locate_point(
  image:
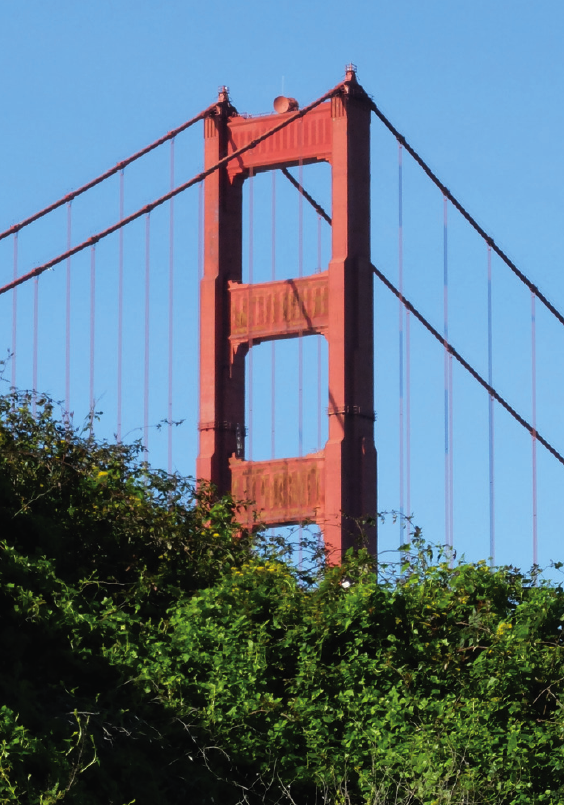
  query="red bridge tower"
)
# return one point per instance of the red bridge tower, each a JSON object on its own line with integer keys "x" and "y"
{"x": 336, "y": 487}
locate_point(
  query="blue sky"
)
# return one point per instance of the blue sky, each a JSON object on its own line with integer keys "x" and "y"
{"x": 475, "y": 87}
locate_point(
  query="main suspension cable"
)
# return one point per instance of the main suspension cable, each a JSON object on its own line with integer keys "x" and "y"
{"x": 171, "y": 194}
{"x": 111, "y": 172}
{"x": 465, "y": 214}
{"x": 455, "y": 354}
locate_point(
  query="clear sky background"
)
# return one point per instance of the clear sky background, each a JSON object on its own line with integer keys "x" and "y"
{"x": 477, "y": 89}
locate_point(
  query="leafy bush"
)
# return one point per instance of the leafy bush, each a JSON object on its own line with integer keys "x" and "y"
{"x": 94, "y": 550}
{"x": 152, "y": 651}
{"x": 442, "y": 684}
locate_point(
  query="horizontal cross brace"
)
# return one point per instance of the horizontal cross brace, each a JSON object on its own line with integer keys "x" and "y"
{"x": 283, "y": 309}
{"x": 284, "y": 491}
{"x": 305, "y": 140}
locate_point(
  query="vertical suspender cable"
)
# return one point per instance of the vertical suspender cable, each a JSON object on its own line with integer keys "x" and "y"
{"x": 319, "y": 385}
{"x": 200, "y": 260}
{"x": 405, "y": 427}
{"x": 92, "y": 327}
{"x": 448, "y": 535}
{"x": 491, "y": 412}
{"x": 404, "y": 375}
{"x": 300, "y": 338}
{"x": 408, "y": 419}
{"x": 249, "y": 314}
{"x": 120, "y": 310}
{"x": 68, "y": 313}
{"x": 147, "y": 311}
{"x": 35, "y": 339}
{"x": 319, "y": 408}
{"x": 170, "y": 307}
{"x": 15, "y": 312}
{"x": 273, "y": 342}
{"x": 401, "y": 318}
{"x": 450, "y": 452}
{"x": 534, "y": 422}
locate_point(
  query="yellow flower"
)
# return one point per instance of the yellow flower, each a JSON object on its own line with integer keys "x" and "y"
{"x": 503, "y": 627}
{"x": 102, "y": 472}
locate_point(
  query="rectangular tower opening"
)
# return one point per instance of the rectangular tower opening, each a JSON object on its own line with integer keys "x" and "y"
{"x": 283, "y": 235}
{"x": 286, "y": 409}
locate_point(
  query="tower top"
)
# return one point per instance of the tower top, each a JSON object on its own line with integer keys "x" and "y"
{"x": 223, "y": 94}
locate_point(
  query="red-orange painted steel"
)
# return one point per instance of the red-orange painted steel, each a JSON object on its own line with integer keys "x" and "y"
{"x": 336, "y": 488}
{"x": 285, "y": 490}
{"x": 282, "y": 309}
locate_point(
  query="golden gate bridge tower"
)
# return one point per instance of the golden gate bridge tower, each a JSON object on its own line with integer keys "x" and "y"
{"x": 336, "y": 486}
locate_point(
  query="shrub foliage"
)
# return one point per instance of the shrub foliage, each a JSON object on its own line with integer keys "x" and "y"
{"x": 153, "y": 652}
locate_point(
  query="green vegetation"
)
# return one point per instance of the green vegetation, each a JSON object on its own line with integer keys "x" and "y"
{"x": 152, "y": 653}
